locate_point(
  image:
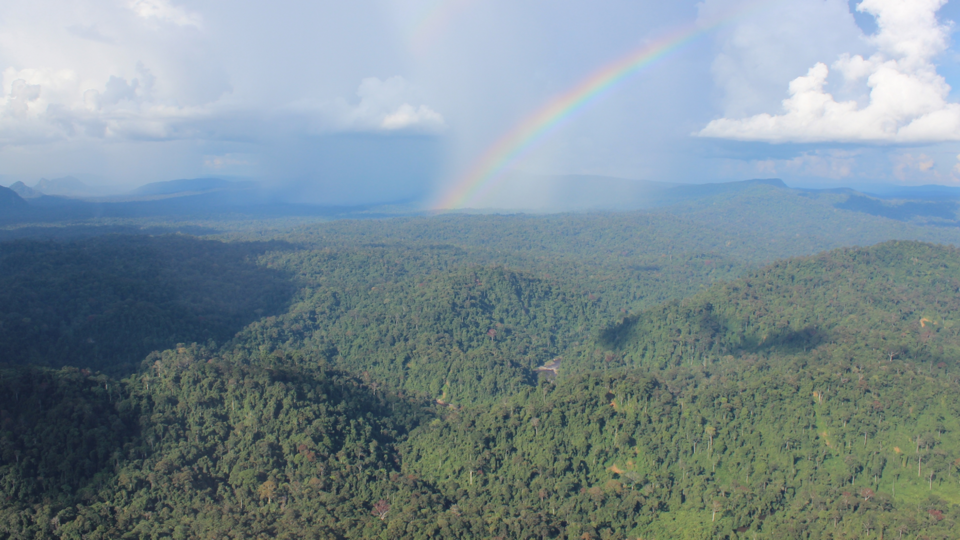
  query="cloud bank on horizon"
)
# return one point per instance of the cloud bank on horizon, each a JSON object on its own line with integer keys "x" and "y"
{"x": 907, "y": 100}
{"x": 45, "y": 104}
{"x": 104, "y": 92}
{"x": 135, "y": 91}
{"x": 400, "y": 97}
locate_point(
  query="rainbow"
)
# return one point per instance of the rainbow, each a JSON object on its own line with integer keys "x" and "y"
{"x": 486, "y": 171}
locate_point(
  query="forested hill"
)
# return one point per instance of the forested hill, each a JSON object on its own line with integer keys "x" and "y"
{"x": 892, "y": 300}
{"x": 11, "y": 203}
{"x": 105, "y": 303}
{"x": 465, "y": 336}
{"x": 376, "y": 380}
{"x": 816, "y": 398}
{"x": 462, "y": 308}
{"x": 410, "y": 301}
{"x": 194, "y": 447}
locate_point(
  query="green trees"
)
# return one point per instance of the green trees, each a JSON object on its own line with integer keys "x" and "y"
{"x": 773, "y": 446}
{"x": 368, "y": 381}
{"x": 462, "y": 337}
{"x": 196, "y": 446}
{"x": 105, "y": 303}
{"x": 881, "y": 303}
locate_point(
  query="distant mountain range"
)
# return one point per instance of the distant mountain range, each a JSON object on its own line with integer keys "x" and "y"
{"x": 559, "y": 193}
{"x": 191, "y": 185}
{"x": 212, "y": 198}
{"x": 928, "y": 192}
{"x": 71, "y": 187}
{"x": 551, "y": 193}
{"x": 25, "y": 191}
{"x": 67, "y": 185}
{"x": 200, "y": 198}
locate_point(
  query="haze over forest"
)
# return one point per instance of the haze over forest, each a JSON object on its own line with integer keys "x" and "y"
{"x": 439, "y": 269}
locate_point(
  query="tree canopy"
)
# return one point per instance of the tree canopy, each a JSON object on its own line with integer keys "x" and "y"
{"x": 378, "y": 380}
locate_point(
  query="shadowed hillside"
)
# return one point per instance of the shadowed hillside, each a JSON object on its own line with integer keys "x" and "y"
{"x": 105, "y": 303}
{"x": 893, "y": 300}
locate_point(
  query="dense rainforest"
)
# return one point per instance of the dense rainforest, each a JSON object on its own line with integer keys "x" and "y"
{"x": 721, "y": 374}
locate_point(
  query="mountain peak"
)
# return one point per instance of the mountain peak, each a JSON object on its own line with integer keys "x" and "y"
{"x": 67, "y": 185}
{"x": 25, "y": 191}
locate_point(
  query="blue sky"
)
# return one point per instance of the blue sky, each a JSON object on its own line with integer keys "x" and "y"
{"x": 386, "y": 99}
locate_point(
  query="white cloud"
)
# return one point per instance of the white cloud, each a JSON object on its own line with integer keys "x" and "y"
{"x": 218, "y": 85}
{"x": 384, "y": 106}
{"x": 20, "y": 98}
{"x": 165, "y": 11}
{"x": 907, "y": 101}
{"x": 914, "y": 168}
{"x": 82, "y": 78}
{"x": 50, "y": 105}
{"x": 760, "y": 53}
{"x": 75, "y": 72}
{"x": 833, "y": 164}
{"x": 42, "y": 106}
{"x": 407, "y": 117}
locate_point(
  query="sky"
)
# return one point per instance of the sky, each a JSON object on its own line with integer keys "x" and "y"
{"x": 442, "y": 100}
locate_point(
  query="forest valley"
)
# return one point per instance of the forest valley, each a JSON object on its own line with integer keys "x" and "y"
{"x": 730, "y": 376}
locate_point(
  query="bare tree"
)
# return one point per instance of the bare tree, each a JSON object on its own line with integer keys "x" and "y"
{"x": 381, "y": 509}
